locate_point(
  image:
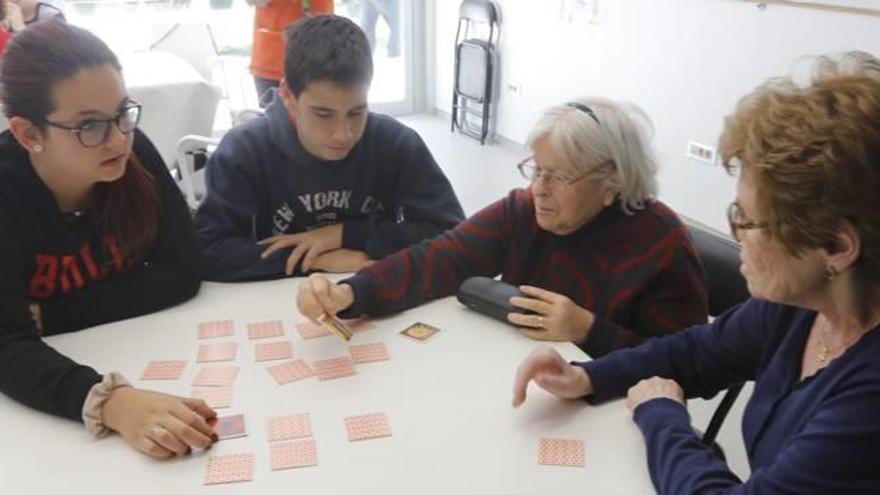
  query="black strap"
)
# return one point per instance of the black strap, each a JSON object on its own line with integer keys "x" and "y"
{"x": 583, "y": 108}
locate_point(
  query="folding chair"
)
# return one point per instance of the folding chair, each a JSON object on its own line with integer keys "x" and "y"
{"x": 475, "y": 68}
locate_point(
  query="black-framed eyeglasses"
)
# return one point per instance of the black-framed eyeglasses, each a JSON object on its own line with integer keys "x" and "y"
{"x": 738, "y": 221}
{"x": 532, "y": 172}
{"x": 95, "y": 132}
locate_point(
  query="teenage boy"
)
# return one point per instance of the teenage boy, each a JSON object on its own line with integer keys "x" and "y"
{"x": 319, "y": 182}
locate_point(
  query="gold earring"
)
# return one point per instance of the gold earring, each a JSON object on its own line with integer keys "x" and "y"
{"x": 831, "y": 273}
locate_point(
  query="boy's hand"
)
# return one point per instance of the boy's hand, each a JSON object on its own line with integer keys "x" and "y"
{"x": 307, "y": 246}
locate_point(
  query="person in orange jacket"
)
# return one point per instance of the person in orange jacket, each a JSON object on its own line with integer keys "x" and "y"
{"x": 270, "y": 19}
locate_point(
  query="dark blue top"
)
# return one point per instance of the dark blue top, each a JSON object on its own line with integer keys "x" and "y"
{"x": 817, "y": 435}
{"x": 387, "y": 193}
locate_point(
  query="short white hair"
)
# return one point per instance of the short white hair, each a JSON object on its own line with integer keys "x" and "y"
{"x": 608, "y": 138}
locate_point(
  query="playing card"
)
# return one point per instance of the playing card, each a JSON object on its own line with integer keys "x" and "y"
{"x": 229, "y": 427}
{"x": 229, "y": 468}
{"x": 273, "y": 351}
{"x": 335, "y": 326}
{"x": 358, "y": 326}
{"x": 369, "y": 353}
{"x": 561, "y": 452}
{"x": 420, "y": 332}
{"x": 288, "y": 455}
{"x": 216, "y": 376}
{"x": 215, "y": 397}
{"x": 328, "y": 369}
{"x": 289, "y": 427}
{"x": 290, "y": 371}
{"x": 367, "y": 426}
{"x": 265, "y": 329}
{"x": 224, "y": 351}
{"x": 213, "y": 329}
{"x": 163, "y": 370}
{"x": 309, "y": 330}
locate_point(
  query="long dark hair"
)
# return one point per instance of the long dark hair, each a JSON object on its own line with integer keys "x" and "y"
{"x": 35, "y": 61}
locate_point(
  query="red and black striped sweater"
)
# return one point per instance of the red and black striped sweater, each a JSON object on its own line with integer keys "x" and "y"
{"x": 639, "y": 273}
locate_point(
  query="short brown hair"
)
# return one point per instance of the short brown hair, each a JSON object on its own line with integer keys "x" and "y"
{"x": 813, "y": 152}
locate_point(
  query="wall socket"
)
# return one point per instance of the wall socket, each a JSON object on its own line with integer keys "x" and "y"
{"x": 700, "y": 152}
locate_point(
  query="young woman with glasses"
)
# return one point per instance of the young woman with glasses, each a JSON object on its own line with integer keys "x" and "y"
{"x": 602, "y": 262}
{"x": 92, "y": 229}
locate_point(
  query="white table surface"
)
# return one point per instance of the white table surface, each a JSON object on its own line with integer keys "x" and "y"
{"x": 447, "y": 400}
{"x": 176, "y": 99}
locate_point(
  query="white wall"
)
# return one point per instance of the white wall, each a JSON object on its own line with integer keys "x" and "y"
{"x": 686, "y": 62}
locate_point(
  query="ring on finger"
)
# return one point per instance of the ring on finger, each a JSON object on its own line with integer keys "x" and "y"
{"x": 156, "y": 430}
{"x": 541, "y": 321}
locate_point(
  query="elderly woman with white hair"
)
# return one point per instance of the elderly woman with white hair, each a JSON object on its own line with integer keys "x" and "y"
{"x": 602, "y": 262}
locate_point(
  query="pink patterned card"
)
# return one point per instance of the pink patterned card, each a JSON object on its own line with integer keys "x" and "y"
{"x": 289, "y": 455}
{"x": 309, "y": 330}
{"x": 561, "y": 452}
{"x": 163, "y": 370}
{"x": 290, "y": 371}
{"x": 224, "y": 351}
{"x": 369, "y": 353}
{"x": 229, "y": 468}
{"x": 214, "y": 329}
{"x": 359, "y": 326}
{"x": 216, "y": 398}
{"x": 367, "y": 426}
{"x": 328, "y": 369}
{"x": 216, "y": 376}
{"x": 265, "y": 329}
{"x": 289, "y": 427}
{"x": 273, "y": 351}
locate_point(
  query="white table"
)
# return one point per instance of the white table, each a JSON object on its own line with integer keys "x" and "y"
{"x": 176, "y": 99}
{"x": 447, "y": 400}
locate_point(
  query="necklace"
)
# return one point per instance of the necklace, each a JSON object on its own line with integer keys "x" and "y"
{"x": 824, "y": 354}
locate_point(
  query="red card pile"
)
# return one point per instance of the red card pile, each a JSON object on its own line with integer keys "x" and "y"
{"x": 309, "y": 330}
{"x": 215, "y": 397}
{"x": 265, "y": 329}
{"x": 273, "y": 351}
{"x": 216, "y": 376}
{"x": 229, "y": 468}
{"x": 367, "y": 426}
{"x": 369, "y": 353}
{"x": 217, "y": 352}
{"x": 213, "y": 329}
{"x": 328, "y": 369}
{"x": 290, "y": 371}
{"x": 288, "y": 455}
{"x": 163, "y": 370}
{"x": 561, "y": 452}
{"x": 289, "y": 427}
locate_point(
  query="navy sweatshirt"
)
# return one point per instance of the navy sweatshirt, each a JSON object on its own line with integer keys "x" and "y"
{"x": 819, "y": 435}
{"x": 387, "y": 193}
{"x": 78, "y": 276}
{"x": 638, "y": 273}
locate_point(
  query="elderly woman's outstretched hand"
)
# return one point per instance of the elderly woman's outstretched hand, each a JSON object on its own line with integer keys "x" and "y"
{"x": 552, "y": 373}
{"x": 556, "y": 317}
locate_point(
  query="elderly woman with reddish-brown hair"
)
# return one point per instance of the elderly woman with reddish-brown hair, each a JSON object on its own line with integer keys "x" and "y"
{"x": 806, "y": 214}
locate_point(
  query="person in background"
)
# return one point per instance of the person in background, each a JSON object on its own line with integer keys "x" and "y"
{"x": 806, "y": 214}
{"x": 319, "y": 182}
{"x": 271, "y": 17}
{"x": 93, "y": 229}
{"x": 601, "y": 261}
{"x": 390, "y": 11}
